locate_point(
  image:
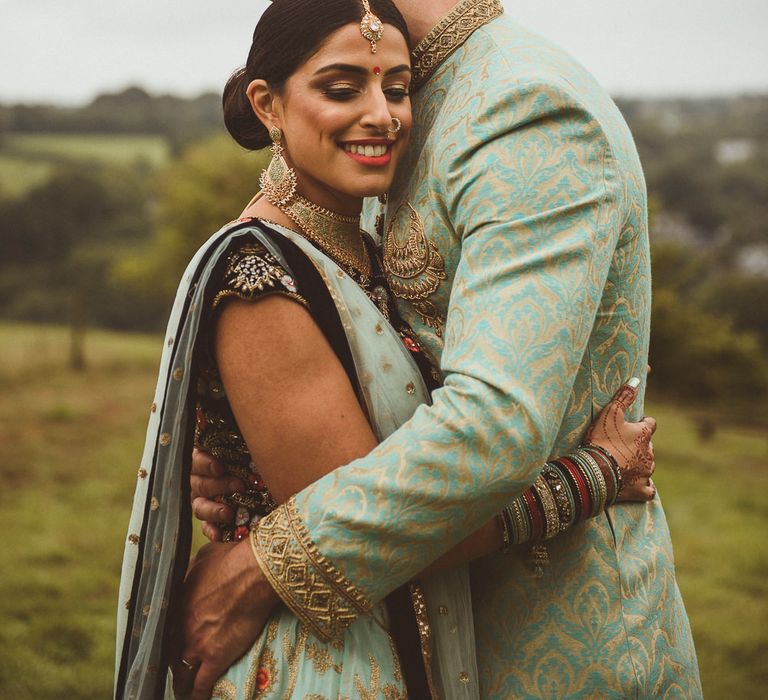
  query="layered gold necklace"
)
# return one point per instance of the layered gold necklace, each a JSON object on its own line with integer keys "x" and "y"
{"x": 337, "y": 235}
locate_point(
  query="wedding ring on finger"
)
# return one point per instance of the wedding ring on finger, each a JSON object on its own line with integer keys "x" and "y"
{"x": 184, "y": 673}
{"x": 189, "y": 665}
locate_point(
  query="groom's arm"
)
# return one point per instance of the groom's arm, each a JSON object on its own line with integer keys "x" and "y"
{"x": 535, "y": 198}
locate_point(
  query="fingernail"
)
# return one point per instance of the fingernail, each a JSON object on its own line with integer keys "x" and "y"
{"x": 633, "y": 383}
{"x": 234, "y": 485}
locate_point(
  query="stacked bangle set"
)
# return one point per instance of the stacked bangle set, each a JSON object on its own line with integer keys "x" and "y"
{"x": 568, "y": 490}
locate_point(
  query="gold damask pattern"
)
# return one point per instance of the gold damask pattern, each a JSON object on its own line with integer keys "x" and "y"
{"x": 415, "y": 268}
{"x": 307, "y": 582}
{"x": 447, "y": 36}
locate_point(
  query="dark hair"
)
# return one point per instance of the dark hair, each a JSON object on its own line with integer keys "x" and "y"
{"x": 288, "y": 33}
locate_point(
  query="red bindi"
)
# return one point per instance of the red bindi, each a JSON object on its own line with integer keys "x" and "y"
{"x": 376, "y": 70}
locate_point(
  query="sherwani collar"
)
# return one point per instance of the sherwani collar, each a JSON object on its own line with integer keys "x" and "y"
{"x": 449, "y": 34}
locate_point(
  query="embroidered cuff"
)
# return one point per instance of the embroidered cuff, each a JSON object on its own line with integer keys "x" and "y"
{"x": 310, "y": 585}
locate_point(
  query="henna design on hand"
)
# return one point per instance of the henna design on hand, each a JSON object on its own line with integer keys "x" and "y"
{"x": 640, "y": 463}
{"x": 633, "y": 452}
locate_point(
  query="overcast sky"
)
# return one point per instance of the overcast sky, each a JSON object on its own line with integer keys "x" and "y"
{"x": 67, "y": 51}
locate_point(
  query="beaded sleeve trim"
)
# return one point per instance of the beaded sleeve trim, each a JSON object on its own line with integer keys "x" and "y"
{"x": 449, "y": 34}
{"x": 313, "y": 588}
{"x": 252, "y": 272}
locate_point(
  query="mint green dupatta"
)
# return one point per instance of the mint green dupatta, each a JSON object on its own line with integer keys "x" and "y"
{"x": 157, "y": 546}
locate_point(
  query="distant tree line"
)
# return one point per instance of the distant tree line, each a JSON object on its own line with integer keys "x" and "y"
{"x": 131, "y": 111}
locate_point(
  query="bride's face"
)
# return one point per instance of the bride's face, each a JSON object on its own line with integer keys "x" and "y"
{"x": 335, "y": 111}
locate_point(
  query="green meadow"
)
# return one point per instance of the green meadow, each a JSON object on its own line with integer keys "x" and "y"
{"x": 27, "y": 160}
{"x": 70, "y": 448}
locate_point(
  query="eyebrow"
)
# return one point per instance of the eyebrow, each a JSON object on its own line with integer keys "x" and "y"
{"x": 359, "y": 70}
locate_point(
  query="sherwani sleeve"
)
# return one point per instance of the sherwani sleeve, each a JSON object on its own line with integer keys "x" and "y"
{"x": 531, "y": 190}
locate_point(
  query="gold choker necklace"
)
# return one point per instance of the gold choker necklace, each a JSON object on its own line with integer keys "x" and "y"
{"x": 338, "y": 236}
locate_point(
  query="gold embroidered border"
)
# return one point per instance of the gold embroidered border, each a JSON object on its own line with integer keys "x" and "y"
{"x": 308, "y": 583}
{"x": 419, "y": 604}
{"x": 228, "y": 293}
{"x": 449, "y": 34}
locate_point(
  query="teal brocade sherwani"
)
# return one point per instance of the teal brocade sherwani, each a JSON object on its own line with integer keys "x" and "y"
{"x": 516, "y": 242}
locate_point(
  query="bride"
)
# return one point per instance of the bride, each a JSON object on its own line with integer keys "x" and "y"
{"x": 285, "y": 350}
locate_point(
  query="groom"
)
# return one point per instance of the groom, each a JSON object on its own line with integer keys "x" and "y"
{"x": 516, "y": 242}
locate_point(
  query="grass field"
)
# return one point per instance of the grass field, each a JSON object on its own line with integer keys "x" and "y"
{"x": 70, "y": 444}
{"x": 113, "y": 148}
{"x": 27, "y": 160}
{"x": 19, "y": 174}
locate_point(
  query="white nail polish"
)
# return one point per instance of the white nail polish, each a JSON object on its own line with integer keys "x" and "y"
{"x": 633, "y": 383}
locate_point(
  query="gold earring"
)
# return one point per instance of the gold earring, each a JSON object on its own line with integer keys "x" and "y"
{"x": 278, "y": 181}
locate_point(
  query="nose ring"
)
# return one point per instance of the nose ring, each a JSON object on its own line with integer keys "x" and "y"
{"x": 396, "y": 126}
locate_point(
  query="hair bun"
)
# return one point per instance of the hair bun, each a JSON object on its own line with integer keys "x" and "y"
{"x": 241, "y": 122}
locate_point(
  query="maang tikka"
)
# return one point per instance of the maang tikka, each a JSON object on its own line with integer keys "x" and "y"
{"x": 278, "y": 181}
{"x": 371, "y": 27}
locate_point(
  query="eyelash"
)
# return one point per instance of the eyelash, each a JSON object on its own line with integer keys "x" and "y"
{"x": 397, "y": 94}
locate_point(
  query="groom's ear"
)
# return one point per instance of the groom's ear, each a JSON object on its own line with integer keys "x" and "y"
{"x": 264, "y": 102}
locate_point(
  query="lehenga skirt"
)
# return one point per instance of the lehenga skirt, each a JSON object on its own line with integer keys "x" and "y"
{"x": 287, "y": 661}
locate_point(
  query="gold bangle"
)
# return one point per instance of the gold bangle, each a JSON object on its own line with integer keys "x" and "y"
{"x": 618, "y": 474}
{"x": 520, "y": 522}
{"x": 552, "y": 521}
{"x": 599, "y": 480}
{"x": 559, "y": 490}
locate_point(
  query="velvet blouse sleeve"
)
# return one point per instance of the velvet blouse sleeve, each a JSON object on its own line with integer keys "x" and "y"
{"x": 250, "y": 272}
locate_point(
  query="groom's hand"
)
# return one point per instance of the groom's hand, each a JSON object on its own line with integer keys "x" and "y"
{"x": 210, "y": 479}
{"x": 227, "y": 601}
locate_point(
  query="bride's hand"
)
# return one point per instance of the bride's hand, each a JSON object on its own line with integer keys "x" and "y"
{"x": 629, "y": 443}
{"x": 227, "y": 601}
